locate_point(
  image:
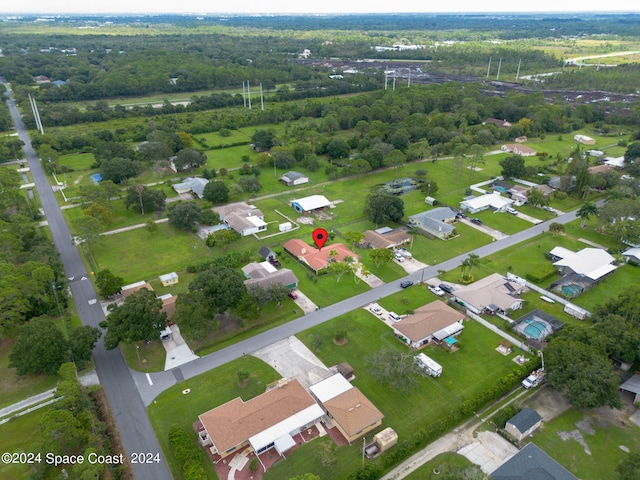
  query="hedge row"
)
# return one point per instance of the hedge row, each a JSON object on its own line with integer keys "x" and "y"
{"x": 187, "y": 454}
{"x": 230, "y": 260}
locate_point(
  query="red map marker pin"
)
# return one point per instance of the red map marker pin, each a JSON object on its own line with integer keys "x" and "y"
{"x": 320, "y": 236}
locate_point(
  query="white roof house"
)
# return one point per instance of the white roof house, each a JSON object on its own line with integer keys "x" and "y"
{"x": 593, "y": 263}
{"x": 309, "y": 204}
{"x": 244, "y": 219}
{"x": 330, "y": 387}
{"x": 191, "y": 184}
{"x": 294, "y": 178}
{"x": 614, "y": 161}
{"x": 491, "y": 200}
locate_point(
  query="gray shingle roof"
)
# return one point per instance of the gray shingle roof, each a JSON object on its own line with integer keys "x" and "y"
{"x": 525, "y": 419}
{"x": 531, "y": 463}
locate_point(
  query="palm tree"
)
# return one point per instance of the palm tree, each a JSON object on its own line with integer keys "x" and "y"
{"x": 333, "y": 254}
{"x": 463, "y": 267}
{"x": 474, "y": 261}
{"x": 585, "y": 211}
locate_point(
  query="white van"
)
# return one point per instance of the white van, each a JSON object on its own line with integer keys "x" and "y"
{"x": 511, "y": 210}
{"x": 394, "y": 316}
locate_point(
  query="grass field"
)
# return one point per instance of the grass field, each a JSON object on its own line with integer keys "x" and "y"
{"x": 21, "y": 435}
{"x": 173, "y": 408}
{"x": 446, "y": 465}
{"x": 604, "y": 439}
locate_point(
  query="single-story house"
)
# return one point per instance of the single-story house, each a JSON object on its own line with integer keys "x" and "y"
{"x": 632, "y": 254}
{"x": 353, "y": 414}
{"x": 436, "y": 222}
{"x": 169, "y": 279}
{"x": 316, "y": 259}
{"x": 191, "y": 184}
{"x": 494, "y": 293}
{"x": 519, "y": 149}
{"x": 310, "y": 204}
{"x": 385, "y": 237}
{"x": 497, "y": 123}
{"x": 617, "y": 162}
{"x": 523, "y": 423}
{"x": 584, "y": 139}
{"x": 266, "y": 253}
{"x": 294, "y": 178}
{"x": 243, "y": 218}
{"x": 134, "y": 287}
{"x": 490, "y": 200}
{"x": 267, "y": 421}
{"x": 40, "y": 79}
{"x": 632, "y": 386}
{"x": 433, "y": 321}
{"x": 600, "y": 169}
{"x": 265, "y": 274}
{"x": 518, "y": 193}
{"x": 168, "y": 305}
{"x": 521, "y": 139}
{"x": 594, "y": 263}
{"x": 531, "y": 463}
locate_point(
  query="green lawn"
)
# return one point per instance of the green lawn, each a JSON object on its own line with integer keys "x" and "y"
{"x": 446, "y": 465}
{"x": 21, "y": 434}
{"x": 405, "y": 413}
{"x": 13, "y": 387}
{"x": 604, "y": 443}
{"x": 152, "y": 356}
{"x": 207, "y": 391}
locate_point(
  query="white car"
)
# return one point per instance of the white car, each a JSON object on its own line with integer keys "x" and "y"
{"x": 375, "y": 309}
{"x": 436, "y": 290}
{"x": 399, "y": 257}
{"x": 548, "y": 208}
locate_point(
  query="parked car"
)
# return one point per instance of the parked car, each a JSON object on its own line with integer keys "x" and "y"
{"x": 399, "y": 257}
{"x": 394, "y": 316}
{"x": 406, "y": 284}
{"x": 446, "y": 288}
{"x": 436, "y": 290}
{"x": 511, "y": 210}
{"x": 293, "y": 294}
{"x": 476, "y": 221}
{"x": 460, "y": 215}
{"x": 548, "y": 209}
{"x": 375, "y": 309}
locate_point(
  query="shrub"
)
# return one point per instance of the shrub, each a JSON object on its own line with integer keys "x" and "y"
{"x": 187, "y": 454}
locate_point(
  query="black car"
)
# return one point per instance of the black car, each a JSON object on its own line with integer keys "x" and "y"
{"x": 477, "y": 221}
{"x": 406, "y": 284}
{"x": 446, "y": 288}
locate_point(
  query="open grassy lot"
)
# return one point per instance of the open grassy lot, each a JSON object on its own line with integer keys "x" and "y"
{"x": 409, "y": 412}
{"x": 503, "y": 221}
{"x": 152, "y": 355}
{"x": 604, "y": 435}
{"x": 445, "y": 464}
{"x": 14, "y": 388}
{"x": 209, "y": 390}
{"x": 21, "y": 435}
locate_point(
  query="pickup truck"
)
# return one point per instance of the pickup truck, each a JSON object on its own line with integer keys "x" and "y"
{"x": 533, "y": 380}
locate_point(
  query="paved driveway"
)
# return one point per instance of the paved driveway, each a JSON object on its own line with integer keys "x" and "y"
{"x": 292, "y": 359}
{"x": 304, "y": 302}
{"x": 489, "y": 451}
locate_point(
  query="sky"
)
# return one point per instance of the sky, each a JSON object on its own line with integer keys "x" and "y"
{"x": 319, "y": 6}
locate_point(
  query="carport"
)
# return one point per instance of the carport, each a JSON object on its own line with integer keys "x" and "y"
{"x": 632, "y": 386}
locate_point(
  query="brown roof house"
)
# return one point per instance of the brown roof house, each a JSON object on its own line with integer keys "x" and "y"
{"x": 265, "y": 275}
{"x": 519, "y": 149}
{"x": 134, "y": 287}
{"x": 316, "y": 259}
{"x": 434, "y": 321}
{"x": 385, "y": 237}
{"x": 493, "y": 293}
{"x": 267, "y": 421}
{"x": 353, "y": 414}
{"x": 497, "y": 122}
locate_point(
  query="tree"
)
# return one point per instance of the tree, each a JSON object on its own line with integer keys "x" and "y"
{"x": 192, "y": 315}
{"x": 216, "y": 192}
{"x": 474, "y": 261}
{"x": 144, "y": 199}
{"x": 40, "y": 348}
{"x": 585, "y": 211}
{"x": 536, "y": 198}
{"x": 353, "y": 237}
{"x": 100, "y": 213}
{"x": 381, "y": 256}
{"x": 582, "y": 372}
{"x": 184, "y": 215}
{"x": 222, "y": 288}
{"x": 629, "y": 467}
{"x": 82, "y": 342}
{"x": 396, "y": 369}
{"x": 632, "y": 153}
{"x": 513, "y": 167}
{"x": 108, "y": 284}
{"x": 340, "y": 269}
{"x": 139, "y": 318}
{"x": 189, "y": 158}
{"x": 263, "y": 139}
{"x": 337, "y": 148}
{"x": 249, "y": 184}
{"x": 223, "y": 238}
{"x": 382, "y": 207}
{"x": 118, "y": 170}
{"x": 556, "y": 227}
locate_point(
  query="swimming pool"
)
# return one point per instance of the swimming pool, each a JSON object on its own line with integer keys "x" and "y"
{"x": 535, "y": 329}
{"x": 571, "y": 290}
{"x": 96, "y": 177}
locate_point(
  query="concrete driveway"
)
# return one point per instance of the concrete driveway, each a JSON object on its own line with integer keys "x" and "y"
{"x": 292, "y": 359}
{"x": 489, "y": 451}
{"x": 411, "y": 265}
{"x": 497, "y": 234}
{"x": 304, "y": 302}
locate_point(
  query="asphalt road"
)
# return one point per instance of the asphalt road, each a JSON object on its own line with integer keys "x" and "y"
{"x": 163, "y": 380}
{"x": 127, "y": 407}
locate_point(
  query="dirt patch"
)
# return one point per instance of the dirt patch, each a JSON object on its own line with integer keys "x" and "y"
{"x": 577, "y": 436}
{"x": 606, "y": 416}
{"x": 585, "y": 425}
{"x": 340, "y": 341}
{"x": 549, "y": 403}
